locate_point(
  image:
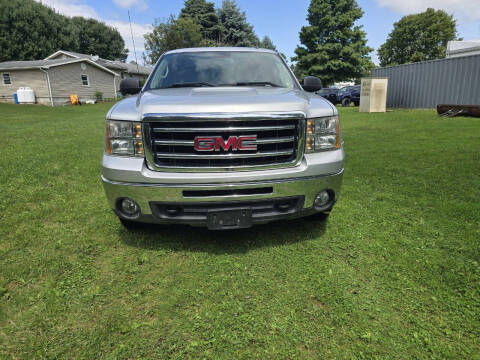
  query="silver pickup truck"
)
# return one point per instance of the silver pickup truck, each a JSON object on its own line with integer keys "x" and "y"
{"x": 223, "y": 138}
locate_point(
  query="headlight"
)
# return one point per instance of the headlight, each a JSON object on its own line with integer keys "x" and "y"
{"x": 123, "y": 138}
{"x": 323, "y": 134}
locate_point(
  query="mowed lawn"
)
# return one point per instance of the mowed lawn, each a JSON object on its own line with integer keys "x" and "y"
{"x": 393, "y": 274}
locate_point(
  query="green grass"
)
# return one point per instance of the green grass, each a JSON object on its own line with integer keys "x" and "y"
{"x": 393, "y": 274}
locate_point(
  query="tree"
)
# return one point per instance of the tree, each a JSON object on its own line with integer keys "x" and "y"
{"x": 32, "y": 31}
{"x": 418, "y": 37}
{"x": 332, "y": 47}
{"x": 96, "y": 38}
{"x": 235, "y": 30}
{"x": 171, "y": 34}
{"x": 203, "y": 13}
{"x": 199, "y": 25}
{"x": 295, "y": 71}
{"x": 267, "y": 43}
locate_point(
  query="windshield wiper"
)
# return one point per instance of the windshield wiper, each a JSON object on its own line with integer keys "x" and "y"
{"x": 257, "y": 83}
{"x": 189, "y": 84}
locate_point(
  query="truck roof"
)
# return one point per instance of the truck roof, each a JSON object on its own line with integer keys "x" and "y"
{"x": 230, "y": 49}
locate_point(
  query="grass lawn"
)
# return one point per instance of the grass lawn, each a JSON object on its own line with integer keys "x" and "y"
{"x": 393, "y": 274}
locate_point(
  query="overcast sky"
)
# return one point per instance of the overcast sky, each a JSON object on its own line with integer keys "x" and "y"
{"x": 281, "y": 20}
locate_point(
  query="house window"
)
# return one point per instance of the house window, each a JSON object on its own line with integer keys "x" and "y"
{"x": 85, "y": 80}
{"x": 6, "y": 79}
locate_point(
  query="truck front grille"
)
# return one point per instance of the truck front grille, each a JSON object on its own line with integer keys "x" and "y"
{"x": 171, "y": 142}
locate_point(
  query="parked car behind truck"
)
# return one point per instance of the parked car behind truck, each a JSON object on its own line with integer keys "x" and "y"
{"x": 331, "y": 94}
{"x": 348, "y": 95}
{"x": 224, "y": 138}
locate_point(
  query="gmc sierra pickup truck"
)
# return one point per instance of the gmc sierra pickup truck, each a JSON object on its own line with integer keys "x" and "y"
{"x": 224, "y": 138}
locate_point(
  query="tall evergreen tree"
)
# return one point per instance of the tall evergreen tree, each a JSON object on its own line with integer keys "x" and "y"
{"x": 333, "y": 48}
{"x": 267, "y": 43}
{"x": 236, "y": 31}
{"x": 203, "y": 13}
{"x": 171, "y": 34}
{"x": 196, "y": 26}
{"x": 418, "y": 37}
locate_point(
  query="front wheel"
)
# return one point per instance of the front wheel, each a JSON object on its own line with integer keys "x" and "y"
{"x": 346, "y": 102}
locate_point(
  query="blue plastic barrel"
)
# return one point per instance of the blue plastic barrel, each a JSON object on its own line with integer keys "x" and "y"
{"x": 15, "y": 98}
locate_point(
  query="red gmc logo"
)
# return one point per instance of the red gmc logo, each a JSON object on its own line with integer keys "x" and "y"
{"x": 234, "y": 143}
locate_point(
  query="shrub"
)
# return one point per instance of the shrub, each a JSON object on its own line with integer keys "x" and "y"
{"x": 99, "y": 96}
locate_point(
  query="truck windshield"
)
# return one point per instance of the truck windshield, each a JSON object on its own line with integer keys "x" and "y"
{"x": 221, "y": 68}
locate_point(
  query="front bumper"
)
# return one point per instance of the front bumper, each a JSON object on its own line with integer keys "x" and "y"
{"x": 201, "y": 192}
{"x": 150, "y": 196}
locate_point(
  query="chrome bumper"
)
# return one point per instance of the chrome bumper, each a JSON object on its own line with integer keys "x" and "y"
{"x": 148, "y": 194}
{"x": 131, "y": 178}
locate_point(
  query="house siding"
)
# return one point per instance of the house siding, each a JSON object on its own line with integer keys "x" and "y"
{"x": 66, "y": 80}
{"x": 141, "y": 78}
{"x": 125, "y": 75}
{"x": 118, "y": 79}
{"x": 35, "y": 79}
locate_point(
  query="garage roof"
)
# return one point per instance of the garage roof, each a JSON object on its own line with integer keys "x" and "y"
{"x": 46, "y": 64}
{"x": 111, "y": 64}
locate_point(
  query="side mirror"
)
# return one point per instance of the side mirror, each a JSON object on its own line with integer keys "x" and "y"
{"x": 311, "y": 83}
{"x": 130, "y": 86}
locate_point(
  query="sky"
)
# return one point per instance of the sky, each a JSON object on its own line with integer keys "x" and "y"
{"x": 281, "y": 20}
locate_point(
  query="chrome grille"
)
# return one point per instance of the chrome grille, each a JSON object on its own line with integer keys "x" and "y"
{"x": 170, "y": 141}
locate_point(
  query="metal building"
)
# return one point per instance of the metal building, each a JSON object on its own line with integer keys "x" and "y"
{"x": 429, "y": 83}
{"x": 457, "y": 48}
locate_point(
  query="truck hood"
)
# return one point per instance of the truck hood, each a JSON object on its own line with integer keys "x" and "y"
{"x": 220, "y": 100}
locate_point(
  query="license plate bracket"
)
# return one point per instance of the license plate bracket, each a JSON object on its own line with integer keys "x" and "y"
{"x": 229, "y": 219}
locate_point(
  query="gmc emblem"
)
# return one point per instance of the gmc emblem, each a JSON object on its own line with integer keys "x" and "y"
{"x": 234, "y": 143}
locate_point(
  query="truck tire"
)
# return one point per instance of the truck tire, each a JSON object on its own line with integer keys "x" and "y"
{"x": 356, "y": 103}
{"x": 346, "y": 102}
{"x": 131, "y": 225}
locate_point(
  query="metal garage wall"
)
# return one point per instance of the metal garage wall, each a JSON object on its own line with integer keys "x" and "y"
{"x": 426, "y": 84}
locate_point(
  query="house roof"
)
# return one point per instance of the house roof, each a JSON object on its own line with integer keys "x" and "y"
{"x": 46, "y": 64}
{"x": 32, "y": 64}
{"x": 130, "y": 68}
{"x": 72, "y": 54}
{"x": 111, "y": 64}
{"x": 457, "y": 47}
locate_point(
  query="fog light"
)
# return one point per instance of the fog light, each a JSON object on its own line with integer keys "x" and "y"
{"x": 129, "y": 207}
{"x": 322, "y": 199}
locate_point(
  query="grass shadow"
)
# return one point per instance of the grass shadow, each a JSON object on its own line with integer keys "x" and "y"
{"x": 193, "y": 239}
